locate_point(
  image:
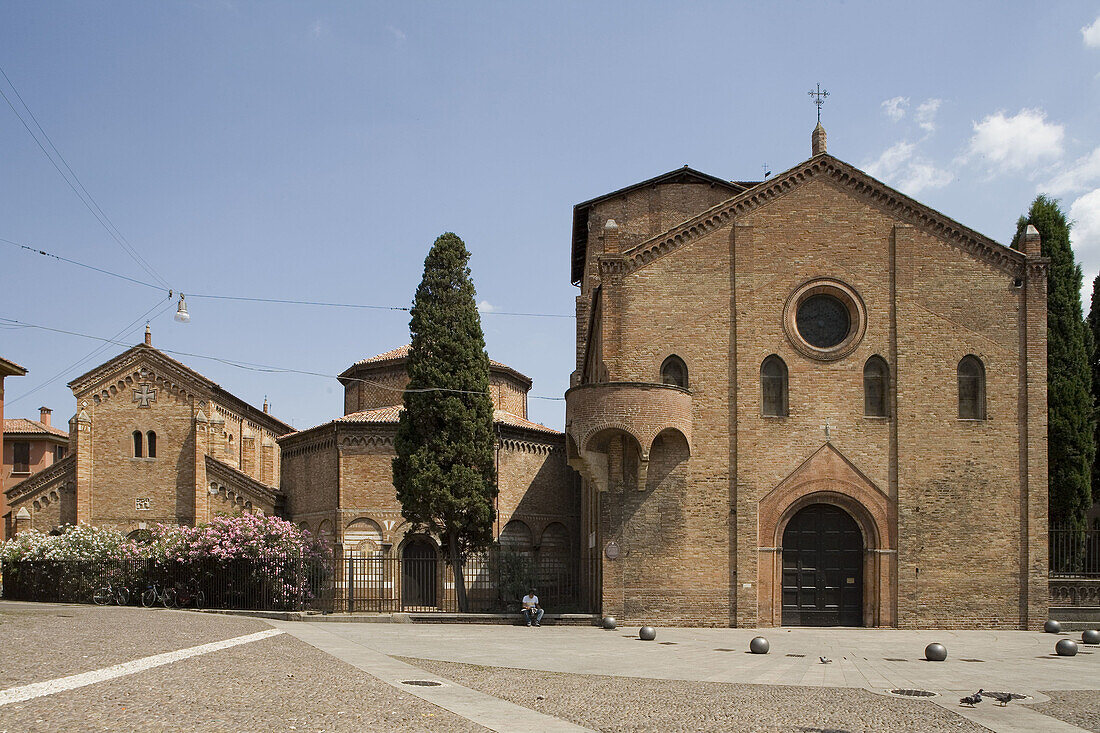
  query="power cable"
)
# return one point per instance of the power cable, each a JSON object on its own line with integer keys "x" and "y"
{"x": 250, "y": 366}
{"x": 163, "y": 304}
{"x": 44, "y": 253}
{"x": 94, "y": 207}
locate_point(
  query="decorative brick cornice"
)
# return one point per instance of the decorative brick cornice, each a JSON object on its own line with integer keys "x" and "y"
{"x": 47, "y": 479}
{"x": 222, "y": 475}
{"x": 366, "y": 441}
{"x": 848, "y": 178}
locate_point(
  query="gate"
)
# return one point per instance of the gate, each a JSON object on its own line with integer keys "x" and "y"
{"x": 419, "y": 577}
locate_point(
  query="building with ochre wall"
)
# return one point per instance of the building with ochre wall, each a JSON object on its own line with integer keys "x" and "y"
{"x": 810, "y": 400}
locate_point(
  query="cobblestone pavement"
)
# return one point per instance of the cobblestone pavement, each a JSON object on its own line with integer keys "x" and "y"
{"x": 635, "y": 704}
{"x": 278, "y": 684}
{"x": 1077, "y": 707}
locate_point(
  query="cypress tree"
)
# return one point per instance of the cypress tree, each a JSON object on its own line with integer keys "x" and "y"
{"x": 1071, "y": 427}
{"x": 1094, "y": 332}
{"x": 444, "y": 471}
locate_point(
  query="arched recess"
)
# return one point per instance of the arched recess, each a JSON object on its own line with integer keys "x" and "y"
{"x": 516, "y": 537}
{"x": 363, "y": 561}
{"x": 674, "y": 372}
{"x": 555, "y": 569}
{"x": 829, "y": 478}
{"x": 363, "y": 538}
{"x": 419, "y": 573}
{"x": 324, "y": 533}
{"x": 616, "y": 458}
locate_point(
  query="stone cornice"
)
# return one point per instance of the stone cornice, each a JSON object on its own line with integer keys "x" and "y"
{"x": 848, "y": 178}
{"x": 45, "y": 479}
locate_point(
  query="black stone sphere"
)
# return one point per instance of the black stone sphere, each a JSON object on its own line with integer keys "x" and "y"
{"x": 935, "y": 652}
{"x": 1066, "y": 648}
{"x": 609, "y": 623}
{"x": 1091, "y": 636}
{"x": 647, "y": 633}
{"x": 1052, "y": 627}
{"x": 759, "y": 645}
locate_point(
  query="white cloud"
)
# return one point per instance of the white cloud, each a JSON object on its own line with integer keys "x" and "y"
{"x": 1085, "y": 233}
{"x": 926, "y": 114}
{"x": 1015, "y": 143}
{"x": 895, "y": 107}
{"x": 1091, "y": 34}
{"x": 317, "y": 29}
{"x": 486, "y": 307}
{"x": 902, "y": 168}
{"x": 397, "y": 33}
{"x": 1083, "y": 173}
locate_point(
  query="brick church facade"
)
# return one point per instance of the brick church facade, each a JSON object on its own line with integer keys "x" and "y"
{"x": 808, "y": 400}
{"x": 804, "y": 401}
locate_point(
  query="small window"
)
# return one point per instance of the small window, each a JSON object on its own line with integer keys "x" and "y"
{"x": 971, "y": 388}
{"x": 137, "y": 444}
{"x": 151, "y": 444}
{"x": 773, "y": 387}
{"x": 876, "y": 380}
{"x": 21, "y": 460}
{"x": 59, "y": 452}
{"x": 674, "y": 372}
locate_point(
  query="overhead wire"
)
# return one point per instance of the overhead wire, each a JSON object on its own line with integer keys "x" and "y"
{"x": 163, "y": 304}
{"x": 250, "y": 366}
{"x": 93, "y": 207}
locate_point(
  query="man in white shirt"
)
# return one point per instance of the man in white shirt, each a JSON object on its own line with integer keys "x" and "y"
{"x": 531, "y": 609}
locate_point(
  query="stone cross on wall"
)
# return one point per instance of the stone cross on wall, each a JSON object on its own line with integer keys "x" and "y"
{"x": 145, "y": 395}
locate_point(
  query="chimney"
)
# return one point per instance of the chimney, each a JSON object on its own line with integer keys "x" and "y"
{"x": 611, "y": 237}
{"x": 148, "y": 336}
{"x": 817, "y": 140}
{"x": 44, "y": 415}
{"x": 265, "y": 405}
{"x": 1030, "y": 243}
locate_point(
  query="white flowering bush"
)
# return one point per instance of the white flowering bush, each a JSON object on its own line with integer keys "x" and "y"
{"x": 246, "y": 557}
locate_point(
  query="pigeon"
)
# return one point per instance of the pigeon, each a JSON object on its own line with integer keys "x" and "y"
{"x": 972, "y": 700}
{"x": 1004, "y": 697}
{"x": 824, "y": 660}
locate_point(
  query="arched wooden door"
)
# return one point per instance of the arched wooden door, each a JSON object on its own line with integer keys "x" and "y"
{"x": 822, "y": 568}
{"x": 419, "y": 568}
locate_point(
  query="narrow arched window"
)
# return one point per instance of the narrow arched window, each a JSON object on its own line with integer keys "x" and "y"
{"x": 876, "y": 383}
{"x": 675, "y": 372}
{"x": 773, "y": 387}
{"x": 137, "y": 444}
{"x": 971, "y": 388}
{"x": 151, "y": 443}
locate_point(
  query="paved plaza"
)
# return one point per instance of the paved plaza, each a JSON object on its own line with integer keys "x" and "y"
{"x": 87, "y": 668}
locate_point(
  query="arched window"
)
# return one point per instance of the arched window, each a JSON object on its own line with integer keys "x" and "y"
{"x": 971, "y": 388}
{"x": 773, "y": 387}
{"x": 151, "y": 443}
{"x": 876, "y": 382}
{"x": 137, "y": 444}
{"x": 674, "y": 372}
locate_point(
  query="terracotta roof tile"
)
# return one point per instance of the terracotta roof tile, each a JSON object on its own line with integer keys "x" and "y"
{"x": 23, "y": 426}
{"x": 10, "y": 368}
{"x": 390, "y": 415}
{"x": 403, "y": 351}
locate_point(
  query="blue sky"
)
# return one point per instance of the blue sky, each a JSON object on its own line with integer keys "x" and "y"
{"x": 314, "y": 152}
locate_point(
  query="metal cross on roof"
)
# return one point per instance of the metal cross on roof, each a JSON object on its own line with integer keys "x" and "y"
{"x": 819, "y": 99}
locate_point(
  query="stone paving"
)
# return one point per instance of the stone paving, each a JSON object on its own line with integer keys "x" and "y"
{"x": 337, "y": 677}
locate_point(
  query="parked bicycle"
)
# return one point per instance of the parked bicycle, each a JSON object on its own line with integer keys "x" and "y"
{"x": 190, "y": 594}
{"x": 111, "y": 593}
{"x": 155, "y": 593}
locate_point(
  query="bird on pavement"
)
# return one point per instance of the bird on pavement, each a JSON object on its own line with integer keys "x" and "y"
{"x": 824, "y": 660}
{"x": 1004, "y": 697}
{"x": 972, "y": 700}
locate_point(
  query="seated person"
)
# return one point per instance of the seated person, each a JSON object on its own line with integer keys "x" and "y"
{"x": 531, "y": 609}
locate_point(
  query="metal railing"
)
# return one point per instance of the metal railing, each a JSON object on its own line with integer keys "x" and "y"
{"x": 495, "y": 581}
{"x": 1074, "y": 553}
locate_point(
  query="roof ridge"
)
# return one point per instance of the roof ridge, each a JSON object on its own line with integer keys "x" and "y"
{"x": 904, "y": 207}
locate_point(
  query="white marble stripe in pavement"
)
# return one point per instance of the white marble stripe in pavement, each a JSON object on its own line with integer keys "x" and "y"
{"x": 491, "y": 712}
{"x": 61, "y": 684}
{"x": 1014, "y": 718}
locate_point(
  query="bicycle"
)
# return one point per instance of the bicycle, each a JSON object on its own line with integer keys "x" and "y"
{"x": 154, "y": 593}
{"x": 118, "y": 594}
{"x": 190, "y": 594}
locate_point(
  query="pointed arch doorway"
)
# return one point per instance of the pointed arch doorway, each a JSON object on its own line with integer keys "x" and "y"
{"x": 822, "y": 568}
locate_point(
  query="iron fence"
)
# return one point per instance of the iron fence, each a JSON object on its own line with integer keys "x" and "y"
{"x": 273, "y": 582}
{"x": 1074, "y": 553}
{"x": 495, "y": 582}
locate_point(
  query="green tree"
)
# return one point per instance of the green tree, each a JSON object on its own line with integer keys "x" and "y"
{"x": 444, "y": 471}
{"x": 1071, "y": 428}
{"x": 1094, "y": 332}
